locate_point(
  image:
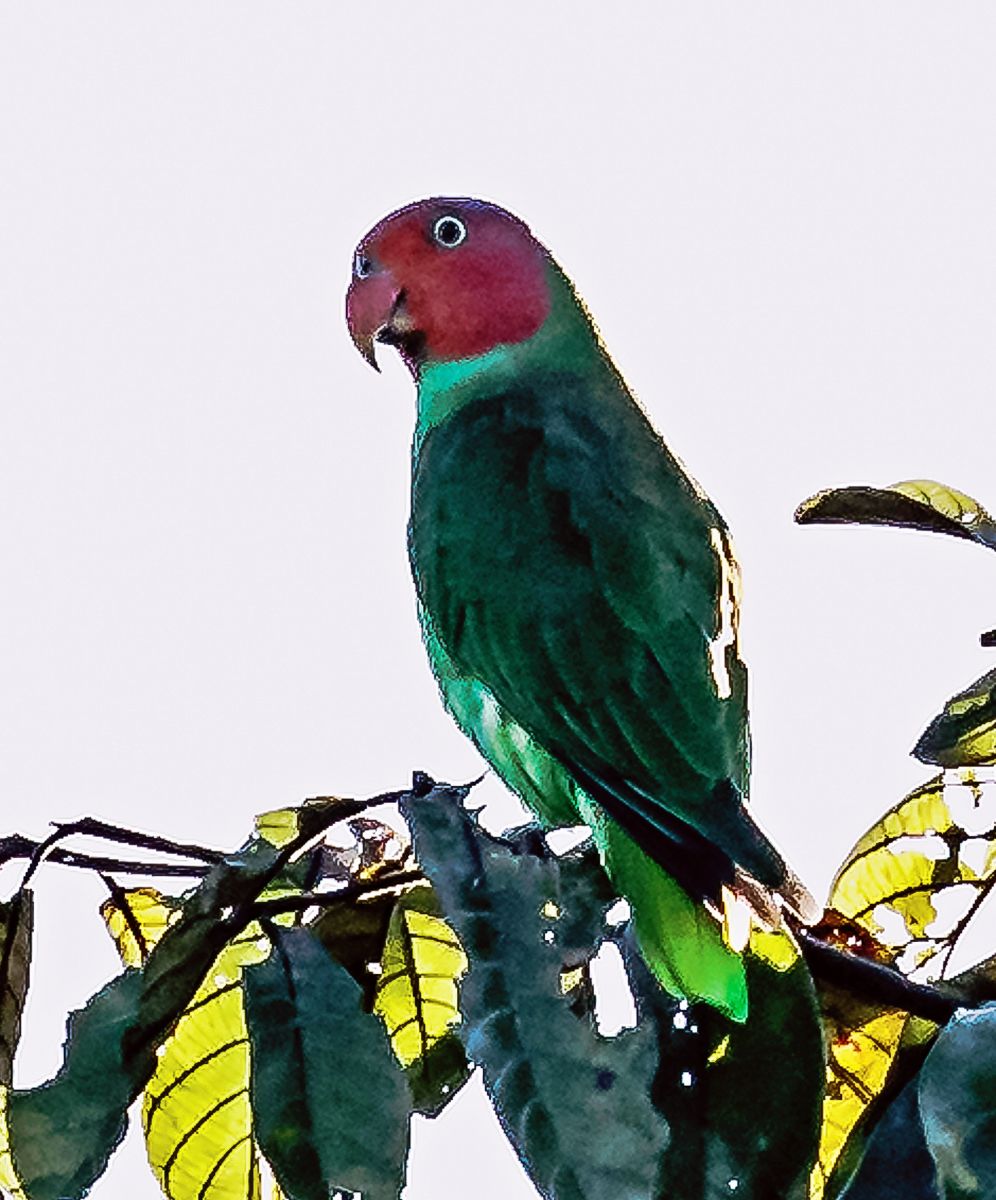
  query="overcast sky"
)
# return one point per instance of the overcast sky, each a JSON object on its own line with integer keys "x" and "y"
{"x": 781, "y": 216}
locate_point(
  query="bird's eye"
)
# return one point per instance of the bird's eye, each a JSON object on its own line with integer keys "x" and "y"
{"x": 362, "y": 265}
{"x": 449, "y": 232}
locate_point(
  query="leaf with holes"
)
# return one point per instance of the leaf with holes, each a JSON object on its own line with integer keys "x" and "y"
{"x": 915, "y": 879}
{"x": 577, "y": 1106}
{"x": 964, "y": 734}
{"x": 16, "y": 923}
{"x": 904, "y": 895}
{"x": 329, "y": 1100}
{"x": 913, "y": 504}
{"x": 417, "y": 997}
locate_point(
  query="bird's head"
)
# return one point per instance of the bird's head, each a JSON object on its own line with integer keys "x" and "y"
{"x": 446, "y": 279}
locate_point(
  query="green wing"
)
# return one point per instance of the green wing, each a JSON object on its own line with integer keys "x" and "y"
{"x": 565, "y": 561}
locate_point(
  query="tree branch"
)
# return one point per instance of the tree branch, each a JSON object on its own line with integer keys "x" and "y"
{"x": 878, "y": 984}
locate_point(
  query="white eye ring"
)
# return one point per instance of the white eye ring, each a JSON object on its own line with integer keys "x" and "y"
{"x": 362, "y": 265}
{"x": 449, "y": 232}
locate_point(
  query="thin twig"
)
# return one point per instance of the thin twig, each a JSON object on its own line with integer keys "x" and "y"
{"x": 91, "y": 827}
{"x": 17, "y": 846}
{"x": 119, "y": 898}
{"x": 354, "y": 891}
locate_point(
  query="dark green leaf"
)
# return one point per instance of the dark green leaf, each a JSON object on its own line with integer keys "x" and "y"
{"x": 896, "y": 1163}
{"x": 576, "y": 1106}
{"x": 743, "y": 1099}
{"x": 16, "y": 920}
{"x": 330, "y": 1102}
{"x": 913, "y": 504}
{"x": 958, "y": 1105}
{"x": 354, "y": 933}
{"x": 63, "y": 1132}
{"x": 964, "y": 734}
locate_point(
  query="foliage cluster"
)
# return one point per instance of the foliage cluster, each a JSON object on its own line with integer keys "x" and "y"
{"x": 284, "y": 1018}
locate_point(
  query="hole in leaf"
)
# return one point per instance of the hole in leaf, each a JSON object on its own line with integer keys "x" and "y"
{"x": 615, "y": 1009}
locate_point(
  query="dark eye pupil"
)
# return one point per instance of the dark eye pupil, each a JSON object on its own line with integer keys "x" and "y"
{"x": 449, "y": 232}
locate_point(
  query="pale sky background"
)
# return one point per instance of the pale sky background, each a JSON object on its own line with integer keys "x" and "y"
{"x": 782, "y": 217}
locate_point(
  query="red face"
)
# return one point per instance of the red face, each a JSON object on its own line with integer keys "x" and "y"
{"x": 445, "y": 280}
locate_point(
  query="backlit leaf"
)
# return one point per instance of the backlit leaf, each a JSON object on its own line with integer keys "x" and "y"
{"x": 903, "y": 897}
{"x": 330, "y": 1102}
{"x": 16, "y": 920}
{"x": 196, "y": 1114}
{"x": 10, "y": 1184}
{"x": 964, "y": 734}
{"x": 920, "y": 872}
{"x": 417, "y": 997}
{"x": 912, "y": 504}
{"x": 861, "y": 1045}
{"x": 196, "y": 1111}
{"x": 136, "y": 920}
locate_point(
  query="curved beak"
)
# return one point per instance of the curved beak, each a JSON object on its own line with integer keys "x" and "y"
{"x": 375, "y": 313}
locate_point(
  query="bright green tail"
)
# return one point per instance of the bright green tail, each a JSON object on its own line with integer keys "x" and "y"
{"x": 680, "y": 942}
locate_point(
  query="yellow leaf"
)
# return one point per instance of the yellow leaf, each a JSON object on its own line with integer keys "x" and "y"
{"x": 948, "y": 501}
{"x": 9, "y": 1181}
{"x": 936, "y": 844}
{"x": 775, "y": 947}
{"x": 859, "y": 1059}
{"x": 934, "y": 851}
{"x": 279, "y": 826}
{"x": 196, "y": 1113}
{"x": 138, "y": 922}
{"x": 417, "y": 996}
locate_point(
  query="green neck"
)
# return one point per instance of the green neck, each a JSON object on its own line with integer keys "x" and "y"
{"x": 565, "y": 341}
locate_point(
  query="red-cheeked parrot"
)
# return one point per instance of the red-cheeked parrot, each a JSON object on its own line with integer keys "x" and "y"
{"x": 577, "y": 591}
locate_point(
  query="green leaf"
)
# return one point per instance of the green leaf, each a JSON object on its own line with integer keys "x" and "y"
{"x": 576, "y": 1106}
{"x": 16, "y": 922}
{"x": 896, "y": 1164}
{"x": 912, "y": 504}
{"x": 958, "y": 1105}
{"x": 63, "y": 1132}
{"x": 964, "y": 734}
{"x": 330, "y": 1102}
{"x": 743, "y": 1099}
{"x": 354, "y": 931}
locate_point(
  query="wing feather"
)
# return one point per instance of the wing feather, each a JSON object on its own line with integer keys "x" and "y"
{"x": 568, "y": 564}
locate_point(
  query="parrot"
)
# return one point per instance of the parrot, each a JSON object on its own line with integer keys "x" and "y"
{"x": 577, "y": 591}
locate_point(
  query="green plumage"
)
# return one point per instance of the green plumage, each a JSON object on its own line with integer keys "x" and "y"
{"x": 572, "y": 587}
